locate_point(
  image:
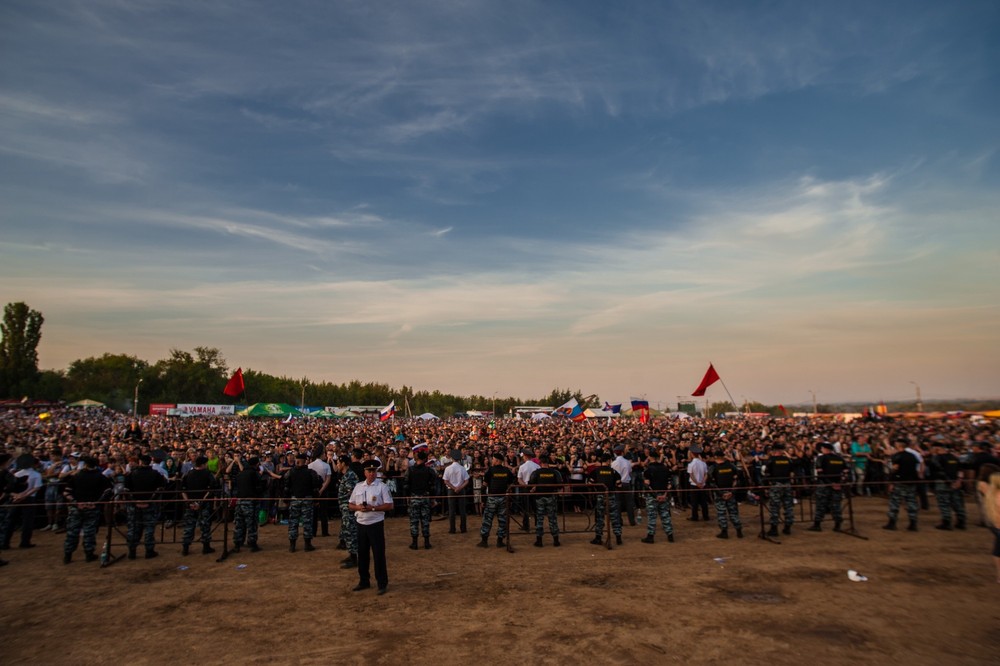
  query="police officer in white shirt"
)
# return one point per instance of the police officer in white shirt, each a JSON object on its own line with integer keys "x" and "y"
{"x": 623, "y": 466}
{"x": 369, "y": 502}
{"x": 524, "y": 472}
{"x": 456, "y": 478}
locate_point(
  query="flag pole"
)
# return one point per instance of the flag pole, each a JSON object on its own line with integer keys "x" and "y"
{"x": 725, "y": 387}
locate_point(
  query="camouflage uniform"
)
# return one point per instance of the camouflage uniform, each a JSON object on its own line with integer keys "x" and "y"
{"x": 727, "y": 509}
{"x": 141, "y": 519}
{"x": 245, "y": 522}
{"x": 949, "y": 498}
{"x": 300, "y": 510}
{"x": 494, "y": 507}
{"x": 85, "y": 520}
{"x": 656, "y": 508}
{"x": 829, "y": 500}
{"x": 906, "y": 492}
{"x": 348, "y": 524}
{"x": 420, "y": 516}
{"x": 200, "y": 516}
{"x": 780, "y": 498}
{"x": 600, "y": 510}
{"x": 546, "y": 506}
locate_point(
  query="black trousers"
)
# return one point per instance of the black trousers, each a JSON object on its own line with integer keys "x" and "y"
{"x": 373, "y": 537}
{"x": 699, "y": 500}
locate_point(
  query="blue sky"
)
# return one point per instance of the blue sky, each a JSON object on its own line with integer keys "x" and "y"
{"x": 485, "y": 197}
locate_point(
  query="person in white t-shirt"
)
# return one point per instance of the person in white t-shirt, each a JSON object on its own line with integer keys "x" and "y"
{"x": 524, "y": 472}
{"x": 456, "y": 478}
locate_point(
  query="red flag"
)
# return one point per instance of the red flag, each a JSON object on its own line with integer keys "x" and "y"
{"x": 711, "y": 376}
{"x": 235, "y": 386}
{"x": 783, "y": 410}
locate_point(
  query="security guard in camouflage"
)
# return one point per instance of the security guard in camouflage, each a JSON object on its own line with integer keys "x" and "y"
{"x": 143, "y": 484}
{"x": 831, "y": 473}
{"x": 904, "y": 477}
{"x": 418, "y": 485}
{"x": 496, "y": 481}
{"x": 82, "y": 492}
{"x": 198, "y": 488}
{"x": 542, "y": 484}
{"x": 247, "y": 487}
{"x": 656, "y": 478}
{"x": 780, "y": 470}
{"x": 612, "y": 480}
{"x": 302, "y": 487}
{"x": 723, "y": 478}
{"x": 946, "y": 470}
{"x": 348, "y": 524}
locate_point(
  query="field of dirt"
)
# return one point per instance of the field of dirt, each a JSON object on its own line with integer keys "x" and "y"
{"x": 930, "y": 598}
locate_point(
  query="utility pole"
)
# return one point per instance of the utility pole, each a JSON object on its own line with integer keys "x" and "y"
{"x": 920, "y": 402}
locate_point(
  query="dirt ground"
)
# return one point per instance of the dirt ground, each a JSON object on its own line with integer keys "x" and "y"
{"x": 931, "y": 598}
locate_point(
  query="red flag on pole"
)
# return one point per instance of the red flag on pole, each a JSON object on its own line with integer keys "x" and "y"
{"x": 711, "y": 376}
{"x": 235, "y": 386}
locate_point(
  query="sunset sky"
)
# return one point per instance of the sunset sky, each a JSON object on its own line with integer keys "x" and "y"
{"x": 509, "y": 197}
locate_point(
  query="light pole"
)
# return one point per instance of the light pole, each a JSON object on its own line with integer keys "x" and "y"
{"x": 920, "y": 402}
{"x": 815, "y": 406}
{"x": 135, "y": 400}
{"x": 495, "y": 403}
{"x": 302, "y": 401}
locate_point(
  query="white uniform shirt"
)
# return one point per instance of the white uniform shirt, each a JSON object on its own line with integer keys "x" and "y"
{"x": 525, "y": 471}
{"x": 321, "y": 467}
{"x": 375, "y": 494}
{"x": 455, "y": 474}
{"x": 623, "y": 466}
{"x": 698, "y": 472}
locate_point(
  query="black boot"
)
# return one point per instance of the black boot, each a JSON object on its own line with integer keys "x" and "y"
{"x": 89, "y": 556}
{"x": 236, "y": 548}
{"x": 814, "y": 527}
{"x": 350, "y": 562}
{"x": 597, "y": 540}
{"x": 739, "y": 532}
{"x": 836, "y": 525}
{"x": 649, "y": 539}
{"x": 723, "y": 533}
{"x": 427, "y": 543}
{"x": 254, "y": 548}
{"x": 538, "y": 542}
{"x": 773, "y": 532}
{"x": 206, "y": 549}
{"x": 891, "y": 525}
{"x": 291, "y": 545}
{"x": 787, "y": 529}
{"x": 483, "y": 543}
{"x": 945, "y": 525}
{"x": 555, "y": 541}
{"x": 309, "y": 546}
{"x": 131, "y": 552}
{"x": 342, "y": 545}
{"x": 67, "y": 558}
{"x": 413, "y": 545}
{"x": 500, "y": 543}
{"x": 912, "y": 527}
{"x": 618, "y": 539}
{"x": 960, "y": 525}
{"x": 186, "y": 549}
{"x": 150, "y": 554}
{"x": 670, "y": 538}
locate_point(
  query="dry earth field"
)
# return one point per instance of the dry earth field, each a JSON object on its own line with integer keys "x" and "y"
{"x": 931, "y": 598}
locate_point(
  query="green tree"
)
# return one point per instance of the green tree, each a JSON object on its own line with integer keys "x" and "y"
{"x": 21, "y": 331}
{"x": 186, "y": 377}
{"x": 717, "y": 409}
{"x": 110, "y": 379}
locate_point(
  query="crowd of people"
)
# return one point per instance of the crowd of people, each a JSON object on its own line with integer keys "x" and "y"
{"x": 59, "y": 470}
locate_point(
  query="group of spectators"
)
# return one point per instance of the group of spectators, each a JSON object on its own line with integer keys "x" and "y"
{"x": 54, "y": 448}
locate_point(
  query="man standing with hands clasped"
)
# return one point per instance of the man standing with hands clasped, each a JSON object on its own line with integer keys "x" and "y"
{"x": 369, "y": 502}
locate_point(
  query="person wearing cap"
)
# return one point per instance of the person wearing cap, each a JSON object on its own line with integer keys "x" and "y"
{"x": 946, "y": 470}
{"x": 348, "y": 524}
{"x": 623, "y": 466}
{"x": 831, "y": 473}
{"x": 779, "y": 471}
{"x": 321, "y": 517}
{"x": 301, "y": 486}
{"x": 604, "y": 504}
{"x": 198, "y": 487}
{"x": 369, "y": 501}
{"x": 723, "y": 479}
{"x": 418, "y": 485}
{"x": 82, "y": 492}
{"x": 657, "y": 480}
{"x": 544, "y": 482}
{"x": 143, "y": 484}
{"x": 496, "y": 481}
{"x": 456, "y": 478}
{"x": 697, "y": 471}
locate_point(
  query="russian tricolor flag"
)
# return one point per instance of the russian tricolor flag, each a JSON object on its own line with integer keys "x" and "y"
{"x": 388, "y": 412}
{"x": 570, "y": 410}
{"x": 640, "y": 404}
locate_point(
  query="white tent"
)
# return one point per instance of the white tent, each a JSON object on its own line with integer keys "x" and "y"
{"x": 540, "y": 416}
{"x": 427, "y": 416}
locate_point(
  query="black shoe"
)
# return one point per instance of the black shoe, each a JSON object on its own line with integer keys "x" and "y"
{"x": 427, "y": 543}
{"x": 341, "y": 545}
{"x": 723, "y": 534}
{"x": 236, "y": 548}
{"x": 891, "y": 525}
{"x": 912, "y": 527}
{"x": 309, "y": 546}
{"x": 291, "y": 545}
{"x": 836, "y": 526}
{"x": 451, "y": 531}
{"x": 67, "y": 558}
{"x": 462, "y": 530}
{"x": 254, "y": 548}
{"x": 597, "y": 541}
{"x": 773, "y": 532}
{"x": 27, "y": 545}
{"x": 960, "y": 525}
{"x": 382, "y": 590}
{"x": 670, "y": 538}
{"x": 555, "y": 541}
{"x": 150, "y": 554}
{"x": 814, "y": 528}
{"x": 648, "y": 539}
{"x": 350, "y": 563}
{"x": 483, "y": 543}
{"x": 787, "y": 529}
{"x": 693, "y": 518}
{"x": 631, "y": 523}
{"x": 361, "y": 586}
{"x": 131, "y": 553}
{"x": 618, "y": 539}
{"x": 943, "y": 526}
{"x": 207, "y": 550}
{"x": 739, "y": 532}
{"x": 4, "y": 563}
{"x": 538, "y": 542}
{"x": 185, "y": 550}
{"x": 90, "y": 557}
